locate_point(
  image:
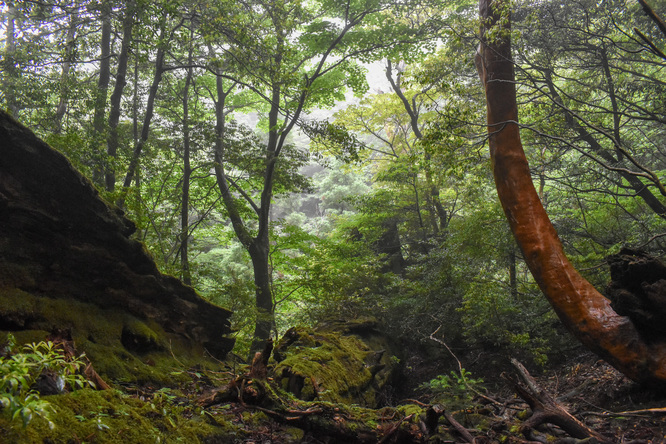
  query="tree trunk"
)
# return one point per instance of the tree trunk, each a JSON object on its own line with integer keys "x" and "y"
{"x": 9, "y": 64}
{"x": 114, "y": 113}
{"x": 102, "y": 88}
{"x": 61, "y": 109}
{"x": 187, "y": 172}
{"x": 258, "y": 247}
{"x": 264, "y": 297}
{"x": 148, "y": 117}
{"x": 581, "y": 308}
{"x": 513, "y": 275}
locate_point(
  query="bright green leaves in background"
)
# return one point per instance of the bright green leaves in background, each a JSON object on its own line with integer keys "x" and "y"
{"x": 381, "y": 200}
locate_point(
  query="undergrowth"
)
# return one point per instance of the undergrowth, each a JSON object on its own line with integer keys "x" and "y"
{"x": 21, "y": 371}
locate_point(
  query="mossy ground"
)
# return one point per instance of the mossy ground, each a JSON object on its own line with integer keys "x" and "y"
{"x": 156, "y": 395}
{"x": 122, "y": 348}
{"x": 110, "y": 416}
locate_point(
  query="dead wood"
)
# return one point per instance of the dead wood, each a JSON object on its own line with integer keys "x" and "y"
{"x": 467, "y": 436}
{"x": 545, "y": 410}
{"x": 352, "y": 425}
{"x": 259, "y": 366}
{"x": 62, "y": 338}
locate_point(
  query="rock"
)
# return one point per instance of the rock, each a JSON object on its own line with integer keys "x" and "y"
{"x": 67, "y": 261}
{"x": 340, "y": 361}
{"x": 638, "y": 290}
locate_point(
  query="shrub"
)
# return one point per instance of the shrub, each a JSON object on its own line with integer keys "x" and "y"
{"x": 20, "y": 372}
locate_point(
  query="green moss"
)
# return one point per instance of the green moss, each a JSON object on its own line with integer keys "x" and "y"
{"x": 324, "y": 366}
{"x": 111, "y": 417}
{"x": 294, "y": 434}
{"x": 121, "y": 347}
{"x": 139, "y": 337}
{"x": 411, "y": 409}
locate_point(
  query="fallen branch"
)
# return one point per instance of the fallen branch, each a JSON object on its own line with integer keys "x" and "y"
{"x": 632, "y": 413}
{"x": 459, "y": 428}
{"x": 545, "y": 410}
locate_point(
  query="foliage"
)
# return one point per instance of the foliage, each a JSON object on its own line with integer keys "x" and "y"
{"x": 382, "y": 205}
{"x": 455, "y": 390}
{"x": 21, "y": 370}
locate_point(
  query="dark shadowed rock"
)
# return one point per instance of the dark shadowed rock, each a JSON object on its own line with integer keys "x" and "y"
{"x": 67, "y": 261}
{"x": 638, "y": 290}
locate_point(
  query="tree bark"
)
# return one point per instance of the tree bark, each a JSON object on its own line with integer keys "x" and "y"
{"x": 112, "y": 141}
{"x": 102, "y": 89}
{"x": 546, "y": 410}
{"x": 187, "y": 173}
{"x": 258, "y": 247}
{"x": 61, "y": 109}
{"x": 580, "y": 307}
{"x": 9, "y": 64}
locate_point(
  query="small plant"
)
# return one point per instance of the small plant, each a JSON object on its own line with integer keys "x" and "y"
{"x": 455, "y": 388}
{"x": 19, "y": 373}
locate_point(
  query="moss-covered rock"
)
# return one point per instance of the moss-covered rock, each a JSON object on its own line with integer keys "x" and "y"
{"x": 68, "y": 262}
{"x": 335, "y": 366}
{"x": 121, "y": 347}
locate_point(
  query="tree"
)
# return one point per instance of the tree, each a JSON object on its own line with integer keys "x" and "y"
{"x": 590, "y": 86}
{"x": 582, "y": 309}
{"x": 292, "y": 56}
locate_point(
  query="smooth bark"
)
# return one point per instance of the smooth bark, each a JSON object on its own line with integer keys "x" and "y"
{"x": 581, "y": 308}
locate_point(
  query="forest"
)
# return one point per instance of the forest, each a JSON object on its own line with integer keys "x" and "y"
{"x": 326, "y": 221}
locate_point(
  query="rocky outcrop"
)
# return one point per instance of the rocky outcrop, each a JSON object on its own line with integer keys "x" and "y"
{"x": 67, "y": 261}
{"x": 638, "y": 290}
{"x": 340, "y": 361}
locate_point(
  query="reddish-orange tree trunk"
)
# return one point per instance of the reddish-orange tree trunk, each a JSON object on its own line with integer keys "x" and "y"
{"x": 582, "y": 309}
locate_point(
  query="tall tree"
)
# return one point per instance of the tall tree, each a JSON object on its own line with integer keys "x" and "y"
{"x": 582, "y": 309}
{"x": 113, "y": 142}
{"x": 9, "y": 64}
{"x": 101, "y": 95}
{"x": 68, "y": 59}
{"x": 595, "y": 84}
{"x": 292, "y": 55}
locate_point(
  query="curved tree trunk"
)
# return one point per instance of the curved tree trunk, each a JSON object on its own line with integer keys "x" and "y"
{"x": 581, "y": 308}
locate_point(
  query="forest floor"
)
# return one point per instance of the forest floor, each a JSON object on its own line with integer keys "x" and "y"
{"x": 588, "y": 388}
{"x": 608, "y": 402}
{"x": 236, "y": 405}
{"x": 591, "y": 390}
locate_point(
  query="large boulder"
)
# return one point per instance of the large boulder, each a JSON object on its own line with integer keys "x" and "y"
{"x": 349, "y": 362}
{"x": 68, "y": 262}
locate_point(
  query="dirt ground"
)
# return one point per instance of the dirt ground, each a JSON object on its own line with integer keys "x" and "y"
{"x": 604, "y": 400}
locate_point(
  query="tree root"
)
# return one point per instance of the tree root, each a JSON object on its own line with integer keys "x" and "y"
{"x": 546, "y": 410}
